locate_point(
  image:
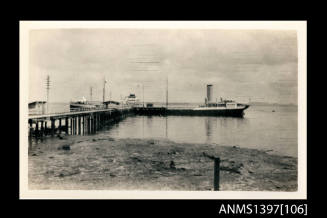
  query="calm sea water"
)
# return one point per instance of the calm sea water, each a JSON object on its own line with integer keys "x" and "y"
{"x": 260, "y": 128}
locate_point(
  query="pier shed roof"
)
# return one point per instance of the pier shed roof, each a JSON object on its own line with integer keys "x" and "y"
{"x": 37, "y": 102}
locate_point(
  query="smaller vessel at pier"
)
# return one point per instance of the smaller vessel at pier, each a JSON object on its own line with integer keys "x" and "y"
{"x": 222, "y": 108}
{"x": 82, "y": 105}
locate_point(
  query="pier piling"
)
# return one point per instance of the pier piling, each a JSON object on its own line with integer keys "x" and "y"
{"x": 75, "y": 125}
{"x": 94, "y": 123}
{"x": 72, "y": 126}
{"x": 52, "y": 127}
{"x": 66, "y": 125}
{"x": 42, "y": 129}
{"x": 91, "y": 125}
{"x": 88, "y": 124}
{"x": 31, "y": 127}
{"x": 37, "y": 129}
{"x": 83, "y": 125}
{"x": 59, "y": 125}
{"x": 79, "y": 125}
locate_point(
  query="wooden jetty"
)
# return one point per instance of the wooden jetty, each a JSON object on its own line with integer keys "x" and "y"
{"x": 73, "y": 123}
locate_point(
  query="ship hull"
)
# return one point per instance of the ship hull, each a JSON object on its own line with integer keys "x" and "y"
{"x": 213, "y": 112}
{"x": 237, "y": 112}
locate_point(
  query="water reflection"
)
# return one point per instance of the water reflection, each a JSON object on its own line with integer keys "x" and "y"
{"x": 232, "y": 122}
{"x": 166, "y": 126}
{"x": 182, "y": 128}
{"x": 142, "y": 126}
{"x": 32, "y": 142}
{"x": 209, "y": 122}
{"x": 222, "y": 127}
{"x": 149, "y": 121}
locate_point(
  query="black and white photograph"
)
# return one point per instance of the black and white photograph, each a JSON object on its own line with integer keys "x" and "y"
{"x": 163, "y": 109}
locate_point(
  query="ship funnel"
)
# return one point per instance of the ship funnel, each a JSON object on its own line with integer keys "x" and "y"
{"x": 209, "y": 93}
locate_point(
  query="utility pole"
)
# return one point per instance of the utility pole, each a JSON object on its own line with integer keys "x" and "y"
{"x": 167, "y": 93}
{"x": 48, "y": 89}
{"x": 104, "y": 89}
{"x": 91, "y": 94}
{"x": 143, "y": 93}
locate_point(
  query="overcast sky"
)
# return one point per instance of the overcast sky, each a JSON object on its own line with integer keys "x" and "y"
{"x": 241, "y": 64}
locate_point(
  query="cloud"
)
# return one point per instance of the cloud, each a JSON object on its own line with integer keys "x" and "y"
{"x": 237, "y": 62}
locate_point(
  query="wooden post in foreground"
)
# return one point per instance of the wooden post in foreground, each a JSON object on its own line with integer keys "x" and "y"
{"x": 216, "y": 174}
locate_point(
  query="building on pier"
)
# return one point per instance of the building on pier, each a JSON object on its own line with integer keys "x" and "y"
{"x": 36, "y": 107}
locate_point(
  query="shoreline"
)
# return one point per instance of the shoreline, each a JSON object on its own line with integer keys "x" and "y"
{"x": 103, "y": 163}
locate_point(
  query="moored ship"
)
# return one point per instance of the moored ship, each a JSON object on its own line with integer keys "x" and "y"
{"x": 132, "y": 101}
{"x": 226, "y": 108}
{"x": 221, "y": 108}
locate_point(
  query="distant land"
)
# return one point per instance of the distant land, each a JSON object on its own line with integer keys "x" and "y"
{"x": 257, "y": 103}
{"x": 254, "y": 103}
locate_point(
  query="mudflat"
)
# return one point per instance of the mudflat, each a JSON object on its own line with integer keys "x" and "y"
{"x": 105, "y": 163}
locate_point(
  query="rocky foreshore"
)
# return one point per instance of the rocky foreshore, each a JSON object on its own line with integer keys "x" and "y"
{"x": 93, "y": 163}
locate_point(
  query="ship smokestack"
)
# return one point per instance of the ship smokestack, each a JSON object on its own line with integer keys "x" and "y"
{"x": 209, "y": 93}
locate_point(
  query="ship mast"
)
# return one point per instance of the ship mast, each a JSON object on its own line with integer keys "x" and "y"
{"x": 48, "y": 88}
{"x": 167, "y": 92}
{"x": 91, "y": 94}
{"x": 104, "y": 89}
